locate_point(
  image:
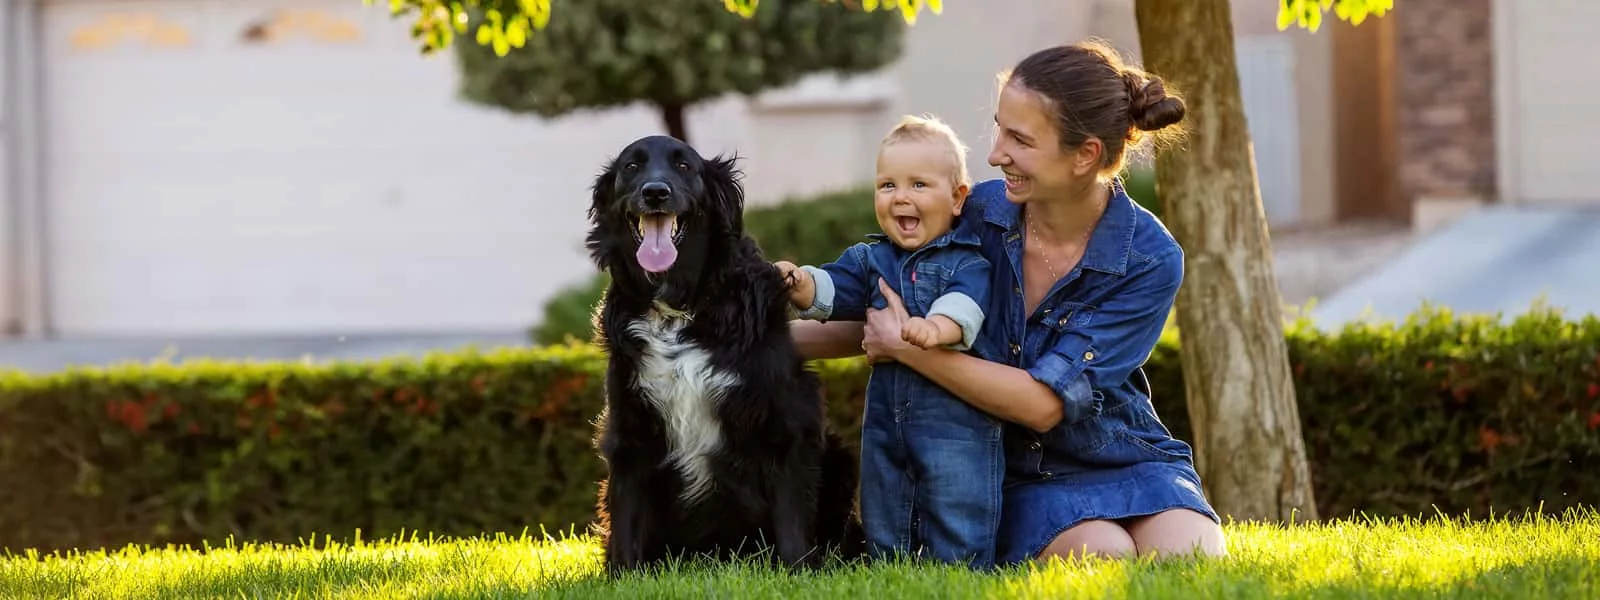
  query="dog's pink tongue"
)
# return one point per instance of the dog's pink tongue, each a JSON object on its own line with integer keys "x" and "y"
{"x": 656, "y": 252}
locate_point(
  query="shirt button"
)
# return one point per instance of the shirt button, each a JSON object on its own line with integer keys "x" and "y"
{"x": 1088, "y": 356}
{"x": 1035, "y": 446}
{"x": 1015, "y": 349}
{"x": 1049, "y": 475}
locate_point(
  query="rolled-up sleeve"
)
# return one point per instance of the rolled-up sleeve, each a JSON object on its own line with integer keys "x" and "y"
{"x": 966, "y": 313}
{"x": 822, "y": 298}
{"x": 963, "y": 300}
{"x": 1104, "y": 346}
{"x": 842, "y": 287}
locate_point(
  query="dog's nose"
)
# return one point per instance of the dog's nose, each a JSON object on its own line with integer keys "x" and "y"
{"x": 655, "y": 191}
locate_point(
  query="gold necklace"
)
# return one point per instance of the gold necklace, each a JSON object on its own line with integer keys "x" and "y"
{"x": 1083, "y": 244}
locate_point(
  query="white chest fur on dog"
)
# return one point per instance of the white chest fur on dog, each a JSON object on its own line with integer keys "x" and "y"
{"x": 680, "y": 380}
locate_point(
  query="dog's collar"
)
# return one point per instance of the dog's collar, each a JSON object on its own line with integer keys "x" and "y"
{"x": 672, "y": 313}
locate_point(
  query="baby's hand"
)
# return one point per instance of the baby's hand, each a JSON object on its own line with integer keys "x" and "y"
{"x": 801, "y": 288}
{"x": 920, "y": 332}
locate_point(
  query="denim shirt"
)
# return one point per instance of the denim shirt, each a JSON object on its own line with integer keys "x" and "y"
{"x": 948, "y": 276}
{"x": 1087, "y": 340}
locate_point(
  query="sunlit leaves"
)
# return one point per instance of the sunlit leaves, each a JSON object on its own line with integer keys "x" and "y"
{"x": 1308, "y": 14}
{"x": 437, "y": 22}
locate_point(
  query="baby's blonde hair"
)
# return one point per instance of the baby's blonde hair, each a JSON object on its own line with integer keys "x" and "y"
{"x": 928, "y": 128}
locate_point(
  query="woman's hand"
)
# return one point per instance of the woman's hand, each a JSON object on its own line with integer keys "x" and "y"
{"x": 881, "y": 337}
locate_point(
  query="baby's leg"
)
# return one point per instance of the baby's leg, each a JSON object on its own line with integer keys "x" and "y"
{"x": 957, "y": 459}
{"x": 886, "y": 487}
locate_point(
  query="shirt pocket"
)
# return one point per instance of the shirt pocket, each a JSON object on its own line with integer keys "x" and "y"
{"x": 928, "y": 281}
{"x": 1066, "y": 324}
{"x": 1068, "y": 316}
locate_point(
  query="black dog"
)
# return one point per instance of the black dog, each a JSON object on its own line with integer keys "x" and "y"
{"x": 713, "y": 431}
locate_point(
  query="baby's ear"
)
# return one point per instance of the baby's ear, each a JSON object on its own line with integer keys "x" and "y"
{"x": 961, "y": 196}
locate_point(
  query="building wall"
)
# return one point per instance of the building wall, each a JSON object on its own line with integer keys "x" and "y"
{"x": 816, "y": 137}
{"x": 1444, "y": 99}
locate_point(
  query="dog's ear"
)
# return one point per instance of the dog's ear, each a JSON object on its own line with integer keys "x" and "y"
{"x": 601, "y": 194}
{"x": 602, "y": 191}
{"x": 726, "y": 192}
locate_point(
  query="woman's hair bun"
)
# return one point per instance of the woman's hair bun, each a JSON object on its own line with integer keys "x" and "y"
{"x": 1149, "y": 106}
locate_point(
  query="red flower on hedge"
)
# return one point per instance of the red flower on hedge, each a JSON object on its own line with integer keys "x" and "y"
{"x": 1488, "y": 439}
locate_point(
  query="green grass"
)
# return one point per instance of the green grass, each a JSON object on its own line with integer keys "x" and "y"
{"x": 1527, "y": 557}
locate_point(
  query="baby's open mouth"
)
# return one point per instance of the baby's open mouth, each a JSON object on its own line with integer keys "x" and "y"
{"x": 907, "y": 225}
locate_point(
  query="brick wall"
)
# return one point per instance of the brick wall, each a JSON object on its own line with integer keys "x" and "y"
{"x": 1444, "y": 98}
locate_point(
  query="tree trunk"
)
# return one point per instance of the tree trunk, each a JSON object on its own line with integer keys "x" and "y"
{"x": 672, "y": 116}
{"x": 1241, "y": 397}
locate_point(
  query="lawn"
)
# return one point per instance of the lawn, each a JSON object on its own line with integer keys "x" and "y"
{"x": 1525, "y": 557}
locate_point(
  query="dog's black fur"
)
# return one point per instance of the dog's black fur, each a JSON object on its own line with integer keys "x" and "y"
{"x": 781, "y": 479}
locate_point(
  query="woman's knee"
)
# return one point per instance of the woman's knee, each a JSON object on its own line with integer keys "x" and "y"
{"x": 1180, "y": 532}
{"x": 1090, "y": 538}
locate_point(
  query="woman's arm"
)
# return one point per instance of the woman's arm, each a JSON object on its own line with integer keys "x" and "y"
{"x": 1061, "y": 383}
{"x": 831, "y": 339}
{"x": 1006, "y": 392}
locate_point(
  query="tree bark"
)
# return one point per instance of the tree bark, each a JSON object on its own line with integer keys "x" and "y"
{"x": 1241, "y": 396}
{"x": 672, "y": 116}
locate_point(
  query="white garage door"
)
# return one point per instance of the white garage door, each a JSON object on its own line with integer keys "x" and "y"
{"x": 1551, "y": 133}
{"x": 226, "y": 166}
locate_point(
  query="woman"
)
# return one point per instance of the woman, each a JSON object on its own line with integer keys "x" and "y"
{"x": 1083, "y": 281}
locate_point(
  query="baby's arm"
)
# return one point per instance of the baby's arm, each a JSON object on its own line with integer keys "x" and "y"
{"x": 957, "y": 315}
{"x": 932, "y": 332}
{"x": 838, "y": 290}
{"x": 802, "y": 287}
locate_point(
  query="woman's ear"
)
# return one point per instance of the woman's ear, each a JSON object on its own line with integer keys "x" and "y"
{"x": 1086, "y": 159}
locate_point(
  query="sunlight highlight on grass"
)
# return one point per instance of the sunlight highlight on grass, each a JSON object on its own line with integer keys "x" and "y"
{"x": 1533, "y": 557}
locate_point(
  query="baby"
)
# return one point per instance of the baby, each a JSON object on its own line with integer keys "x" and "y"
{"x": 931, "y": 463}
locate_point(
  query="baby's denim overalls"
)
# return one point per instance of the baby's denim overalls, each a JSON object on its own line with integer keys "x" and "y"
{"x": 932, "y": 466}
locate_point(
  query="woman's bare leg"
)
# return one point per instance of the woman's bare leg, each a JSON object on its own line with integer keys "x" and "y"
{"x": 1099, "y": 538}
{"x": 1178, "y": 532}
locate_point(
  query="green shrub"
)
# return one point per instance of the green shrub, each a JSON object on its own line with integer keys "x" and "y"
{"x": 1140, "y": 183}
{"x": 1464, "y": 414}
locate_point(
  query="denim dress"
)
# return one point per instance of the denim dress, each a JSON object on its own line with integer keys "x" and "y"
{"x": 932, "y": 465}
{"x": 1110, "y": 457}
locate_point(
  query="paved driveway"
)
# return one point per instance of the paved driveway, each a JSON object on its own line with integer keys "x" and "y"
{"x": 51, "y": 355}
{"x": 1498, "y": 260}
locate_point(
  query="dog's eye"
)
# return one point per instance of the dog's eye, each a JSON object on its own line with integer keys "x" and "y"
{"x": 683, "y": 166}
{"x": 633, "y": 166}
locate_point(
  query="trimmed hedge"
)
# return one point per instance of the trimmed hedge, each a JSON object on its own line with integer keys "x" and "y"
{"x": 1462, "y": 414}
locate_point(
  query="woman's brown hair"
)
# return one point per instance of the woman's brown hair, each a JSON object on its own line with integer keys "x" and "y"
{"x": 1093, "y": 93}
